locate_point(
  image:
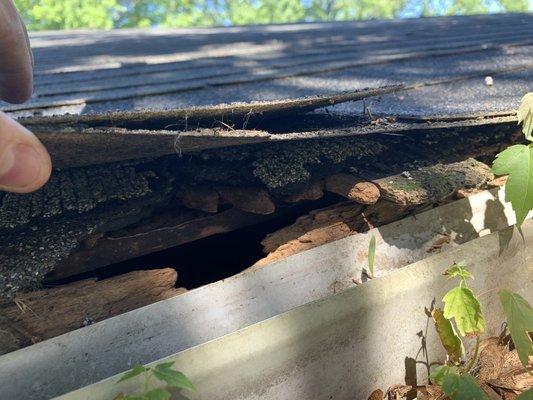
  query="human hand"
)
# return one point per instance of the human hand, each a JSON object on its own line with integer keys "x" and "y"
{"x": 25, "y": 164}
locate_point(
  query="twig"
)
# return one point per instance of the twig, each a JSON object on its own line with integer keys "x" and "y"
{"x": 474, "y": 358}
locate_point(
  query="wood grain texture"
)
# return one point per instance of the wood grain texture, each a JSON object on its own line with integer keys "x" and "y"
{"x": 400, "y": 195}
{"x": 43, "y": 314}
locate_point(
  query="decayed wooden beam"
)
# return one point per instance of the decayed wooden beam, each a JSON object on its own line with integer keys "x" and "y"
{"x": 431, "y": 183}
{"x": 249, "y": 199}
{"x": 162, "y": 232}
{"x": 352, "y": 188}
{"x": 400, "y": 195}
{"x": 43, "y": 314}
{"x": 327, "y": 225}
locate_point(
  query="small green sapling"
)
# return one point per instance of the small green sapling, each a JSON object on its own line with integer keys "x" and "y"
{"x": 162, "y": 372}
{"x": 371, "y": 255}
{"x": 517, "y": 162}
{"x": 462, "y": 318}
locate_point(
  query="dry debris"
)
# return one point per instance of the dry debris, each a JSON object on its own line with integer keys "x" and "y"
{"x": 352, "y": 188}
{"x": 499, "y": 373}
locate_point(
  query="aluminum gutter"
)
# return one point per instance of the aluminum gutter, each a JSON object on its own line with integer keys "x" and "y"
{"x": 349, "y": 344}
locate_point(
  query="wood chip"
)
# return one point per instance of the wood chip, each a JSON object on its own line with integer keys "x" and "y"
{"x": 352, "y": 188}
{"x": 249, "y": 199}
{"x": 199, "y": 198}
{"x": 313, "y": 191}
{"x": 376, "y": 395}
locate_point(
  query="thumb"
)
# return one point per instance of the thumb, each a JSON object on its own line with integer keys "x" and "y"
{"x": 25, "y": 164}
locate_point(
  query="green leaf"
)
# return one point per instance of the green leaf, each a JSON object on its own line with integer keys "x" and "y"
{"x": 462, "y": 387}
{"x": 459, "y": 269}
{"x": 520, "y": 321}
{"x": 527, "y": 395}
{"x": 449, "y": 339}
{"x": 371, "y": 254}
{"x": 158, "y": 394}
{"x": 172, "y": 378}
{"x": 438, "y": 373}
{"x": 461, "y": 305}
{"x": 517, "y": 162}
{"x": 136, "y": 370}
{"x": 165, "y": 365}
{"x": 525, "y": 115}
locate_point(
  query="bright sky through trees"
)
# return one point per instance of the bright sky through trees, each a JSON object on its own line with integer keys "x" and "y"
{"x": 108, "y": 14}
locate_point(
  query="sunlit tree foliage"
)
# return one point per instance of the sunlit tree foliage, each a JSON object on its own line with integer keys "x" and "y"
{"x": 107, "y": 14}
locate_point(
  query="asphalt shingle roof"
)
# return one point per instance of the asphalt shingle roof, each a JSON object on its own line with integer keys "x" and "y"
{"x": 448, "y": 58}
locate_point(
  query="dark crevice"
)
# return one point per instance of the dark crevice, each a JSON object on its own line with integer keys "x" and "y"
{"x": 209, "y": 259}
{"x": 275, "y": 124}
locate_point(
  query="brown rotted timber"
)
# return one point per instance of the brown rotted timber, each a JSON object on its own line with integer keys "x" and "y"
{"x": 400, "y": 195}
{"x": 312, "y": 191}
{"x": 199, "y": 198}
{"x": 352, "y": 188}
{"x": 248, "y": 199}
{"x": 327, "y": 225}
{"x": 161, "y": 233}
{"x": 47, "y": 313}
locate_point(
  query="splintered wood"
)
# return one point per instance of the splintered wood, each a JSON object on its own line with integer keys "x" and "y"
{"x": 379, "y": 202}
{"x": 400, "y": 195}
{"x": 254, "y": 200}
{"x": 327, "y": 225}
{"x": 350, "y": 187}
{"x": 43, "y": 314}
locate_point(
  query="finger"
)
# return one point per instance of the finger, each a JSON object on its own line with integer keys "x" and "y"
{"x": 28, "y": 45}
{"x": 16, "y": 76}
{"x": 25, "y": 164}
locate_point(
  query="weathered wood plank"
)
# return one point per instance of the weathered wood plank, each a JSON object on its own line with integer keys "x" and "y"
{"x": 352, "y": 188}
{"x": 431, "y": 183}
{"x": 161, "y": 233}
{"x": 400, "y": 195}
{"x": 46, "y": 313}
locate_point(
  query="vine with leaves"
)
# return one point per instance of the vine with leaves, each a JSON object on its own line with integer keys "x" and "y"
{"x": 461, "y": 317}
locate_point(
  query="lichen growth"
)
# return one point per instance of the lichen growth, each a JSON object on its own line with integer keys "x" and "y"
{"x": 398, "y": 183}
{"x": 435, "y": 182}
{"x": 280, "y": 166}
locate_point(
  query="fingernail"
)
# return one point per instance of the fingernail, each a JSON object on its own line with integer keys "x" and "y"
{"x": 20, "y": 166}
